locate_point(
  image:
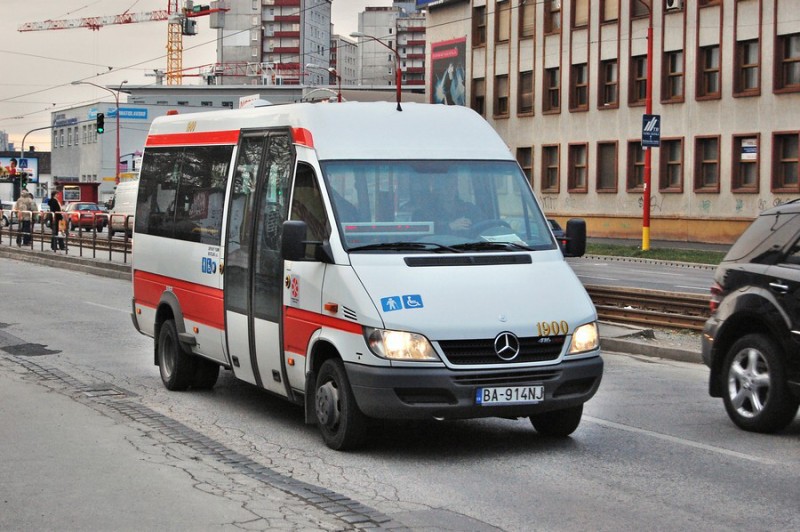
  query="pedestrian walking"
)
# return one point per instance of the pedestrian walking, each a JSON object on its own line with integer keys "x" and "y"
{"x": 25, "y": 207}
{"x": 56, "y": 240}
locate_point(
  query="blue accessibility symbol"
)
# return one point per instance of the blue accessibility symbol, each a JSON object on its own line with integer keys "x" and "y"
{"x": 412, "y": 301}
{"x": 392, "y": 303}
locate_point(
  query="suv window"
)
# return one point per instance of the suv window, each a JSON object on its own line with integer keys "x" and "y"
{"x": 767, "y": 235}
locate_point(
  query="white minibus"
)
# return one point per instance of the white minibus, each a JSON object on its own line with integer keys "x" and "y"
{"x": 362, "y": 261}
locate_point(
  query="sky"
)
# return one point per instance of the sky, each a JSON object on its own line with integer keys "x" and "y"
{"x": 37, "y": 67}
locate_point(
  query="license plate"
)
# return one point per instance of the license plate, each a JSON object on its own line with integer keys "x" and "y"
{"x": 509, "y": 395}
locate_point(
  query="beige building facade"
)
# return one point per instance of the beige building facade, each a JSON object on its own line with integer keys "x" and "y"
{"x": 565, "y": 83}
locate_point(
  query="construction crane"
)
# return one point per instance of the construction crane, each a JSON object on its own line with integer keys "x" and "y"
{"x": 180, "y": 23}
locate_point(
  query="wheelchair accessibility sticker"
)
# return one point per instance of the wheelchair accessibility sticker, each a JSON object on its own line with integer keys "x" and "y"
{"x": 408, "y": 302}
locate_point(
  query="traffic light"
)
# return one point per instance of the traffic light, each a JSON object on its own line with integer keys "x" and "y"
{"x": 101, "y": 123}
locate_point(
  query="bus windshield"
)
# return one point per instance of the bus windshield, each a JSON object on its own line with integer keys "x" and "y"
{"x": 435, "y": 205}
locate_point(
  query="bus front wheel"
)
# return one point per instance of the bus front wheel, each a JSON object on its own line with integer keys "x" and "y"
{"x": 342, "y": 424}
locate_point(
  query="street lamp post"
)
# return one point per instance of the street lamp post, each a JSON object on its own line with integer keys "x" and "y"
{"x": 335, "y": 74}
{"x": 116, "y": 100}
{"x": 648, "y": 152}
{"x": 358, "y": 34}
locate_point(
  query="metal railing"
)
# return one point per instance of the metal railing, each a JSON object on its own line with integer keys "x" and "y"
{"x": 82, "y": 232}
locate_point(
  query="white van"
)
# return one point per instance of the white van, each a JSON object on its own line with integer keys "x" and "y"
{"x": 124, "y": 208}
{"x": 362, "y": 261}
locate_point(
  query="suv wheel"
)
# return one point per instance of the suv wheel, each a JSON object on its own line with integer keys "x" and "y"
{"x": 754, "y": 389}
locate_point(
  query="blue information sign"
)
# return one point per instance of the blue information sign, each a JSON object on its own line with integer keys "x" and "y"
{"x": 651, "y": 131}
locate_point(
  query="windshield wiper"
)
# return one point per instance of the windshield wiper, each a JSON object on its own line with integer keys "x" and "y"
{"x": 491, "y": 246}
{"x": 405, "y": 246}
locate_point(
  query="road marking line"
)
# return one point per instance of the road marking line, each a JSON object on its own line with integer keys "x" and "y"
{"x": 105, "y": 306}
{"x": 681, "y": 441}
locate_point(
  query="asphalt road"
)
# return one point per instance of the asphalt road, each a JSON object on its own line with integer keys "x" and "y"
{"x": 653, "y": 451}
{"x": 615, "y": 271}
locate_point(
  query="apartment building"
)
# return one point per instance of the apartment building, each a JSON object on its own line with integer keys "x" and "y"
{"x": 565, "y": 84}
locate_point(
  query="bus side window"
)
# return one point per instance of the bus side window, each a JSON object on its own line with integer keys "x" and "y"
{"x": 307, "y": 205}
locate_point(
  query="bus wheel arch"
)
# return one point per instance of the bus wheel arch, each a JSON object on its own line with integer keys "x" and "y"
{"x": 342, "y": 424}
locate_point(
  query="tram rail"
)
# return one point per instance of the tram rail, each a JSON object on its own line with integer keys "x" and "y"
{"x": 655, "y": 308}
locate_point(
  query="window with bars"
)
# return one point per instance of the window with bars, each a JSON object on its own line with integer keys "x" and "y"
{"x": 785, "y": 162}
{"x": 708, "y": 72}
{"x": 609, "y": 84}
{"x": 579, "y": 88}
{"x": 744, "y": 175}
{"x": 670, "y": 173}
{"x": 578, "y": 161}
{"x": 606, "y": 167}
{"x": 635, "y": 166}
{"x": 550, "y": 168}
{"x": 672, "y": 78}
{"x": 706, "y": 164}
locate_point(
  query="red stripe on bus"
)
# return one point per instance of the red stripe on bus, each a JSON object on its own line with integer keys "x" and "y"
{"x": 300, "y": 324}
{"x": 194, "y": 139}
{"x": 199, "y": 303}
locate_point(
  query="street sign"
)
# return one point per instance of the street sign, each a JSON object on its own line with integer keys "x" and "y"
{"x": 651, "y": 131}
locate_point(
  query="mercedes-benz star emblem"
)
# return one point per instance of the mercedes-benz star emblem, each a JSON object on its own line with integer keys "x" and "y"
{"x": 506, "y": 345}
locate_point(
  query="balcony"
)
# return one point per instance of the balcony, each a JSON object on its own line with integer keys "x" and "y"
{"x": 285, "y": 50}
{"x": 290, "y": 19}
{"x": 416, "y": 43}
{"x": 414, "y": 82}
{"x": 287, "y": 3}
{"x": 414, "y": 70}
{"x": 286, "y": 34}
{"x": 415, "y": 56}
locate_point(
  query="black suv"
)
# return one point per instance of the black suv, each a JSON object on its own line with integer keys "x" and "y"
{"x": 752, "y": 340}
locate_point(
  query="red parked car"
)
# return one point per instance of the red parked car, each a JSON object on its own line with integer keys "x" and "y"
{"x": 84, "y": 214}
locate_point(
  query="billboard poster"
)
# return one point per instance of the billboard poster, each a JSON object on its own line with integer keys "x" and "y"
{"x": 11, "y": 166}
{"x": 448, "y": 69}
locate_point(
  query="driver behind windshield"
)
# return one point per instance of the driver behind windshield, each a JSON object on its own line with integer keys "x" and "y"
{"x": 444, "y": 206}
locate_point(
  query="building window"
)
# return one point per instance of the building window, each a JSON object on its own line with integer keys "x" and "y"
{"x": 638, "y": 80}
{"x": 576, "y": 171}
{"x": 747, "y": 75}
{"x": 206, "y": 104}
{"x": 670, "y": 177}
{"x": 706, "y": 3}
{"x": 478, "y": 26}
{"x": 502, "y": 21}
{"x": 609, "y": 84}
{"x": 69, "y": 136}
{"x": 550, "y": 169}
{"x": 527, "y": 18}
{"x": 708, "y": 72}
{"x": 745, "y": 163}
{"x": 580, "y": 13}
{"x": 501, "y": 95}
{"x": 639, "y": 8}
{"x": 706, "y": 164}
{"x": 552, "y": 16}
{"x": 525, "y": 96}
{"x": 672, "y": 78}
{"x": 609, "y": 10}
{"x": 579, "y": 88}
{"x": 552, "y": 93}
{"x": 525, "y": 160}
{"x": 55, "y": 139}
{"x": 606, "y": 166}
{"x": 785, "y": 162}
{"x": 478, "y": 97}
{"x": 787, "y": 63}
{"x": 635, "y": 166}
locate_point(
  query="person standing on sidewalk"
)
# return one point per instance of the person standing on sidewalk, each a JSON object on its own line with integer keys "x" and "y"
{"x": 25, "y": 206}
{"x": 56, "y": 242}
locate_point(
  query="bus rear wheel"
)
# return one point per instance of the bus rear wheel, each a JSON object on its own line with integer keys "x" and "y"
{"x": 342, "y": 424}
{"x": 174, "y": 363}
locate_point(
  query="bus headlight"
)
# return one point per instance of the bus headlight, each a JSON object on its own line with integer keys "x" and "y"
{"x": 585, "y": 338}
{"x": 400, "y": 345}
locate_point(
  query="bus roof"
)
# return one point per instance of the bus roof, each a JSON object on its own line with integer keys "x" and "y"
{"x": 350, "y": 130}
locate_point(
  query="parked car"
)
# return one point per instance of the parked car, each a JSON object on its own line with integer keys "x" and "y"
{"x": 751, "y": 342}
{"x": 558, "y": 232}
{"x": 84, "y": 214}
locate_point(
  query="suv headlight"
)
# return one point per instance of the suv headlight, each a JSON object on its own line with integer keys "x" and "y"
{"x": 584, "y": 338}
{"x": 400, "y": 345}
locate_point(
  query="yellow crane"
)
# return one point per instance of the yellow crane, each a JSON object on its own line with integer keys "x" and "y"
{"x": 179, "y": 20}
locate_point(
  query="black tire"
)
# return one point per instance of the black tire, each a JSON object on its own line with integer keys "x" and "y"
{"x": 342, "y": 424}
{"x": 754, "y": 387}
{"x": 100, "y": 229}
{"x": 205, "y": 375}
{"x": 174, "y": 363}
{"x": 558, "y": 423}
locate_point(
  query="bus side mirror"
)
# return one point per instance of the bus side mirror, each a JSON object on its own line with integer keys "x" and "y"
{"x": 293, "y": 245}
{"x": 576, "y": 238}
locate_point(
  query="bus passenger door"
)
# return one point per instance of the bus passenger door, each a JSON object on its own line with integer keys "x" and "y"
{"x": 253, "y": 282}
